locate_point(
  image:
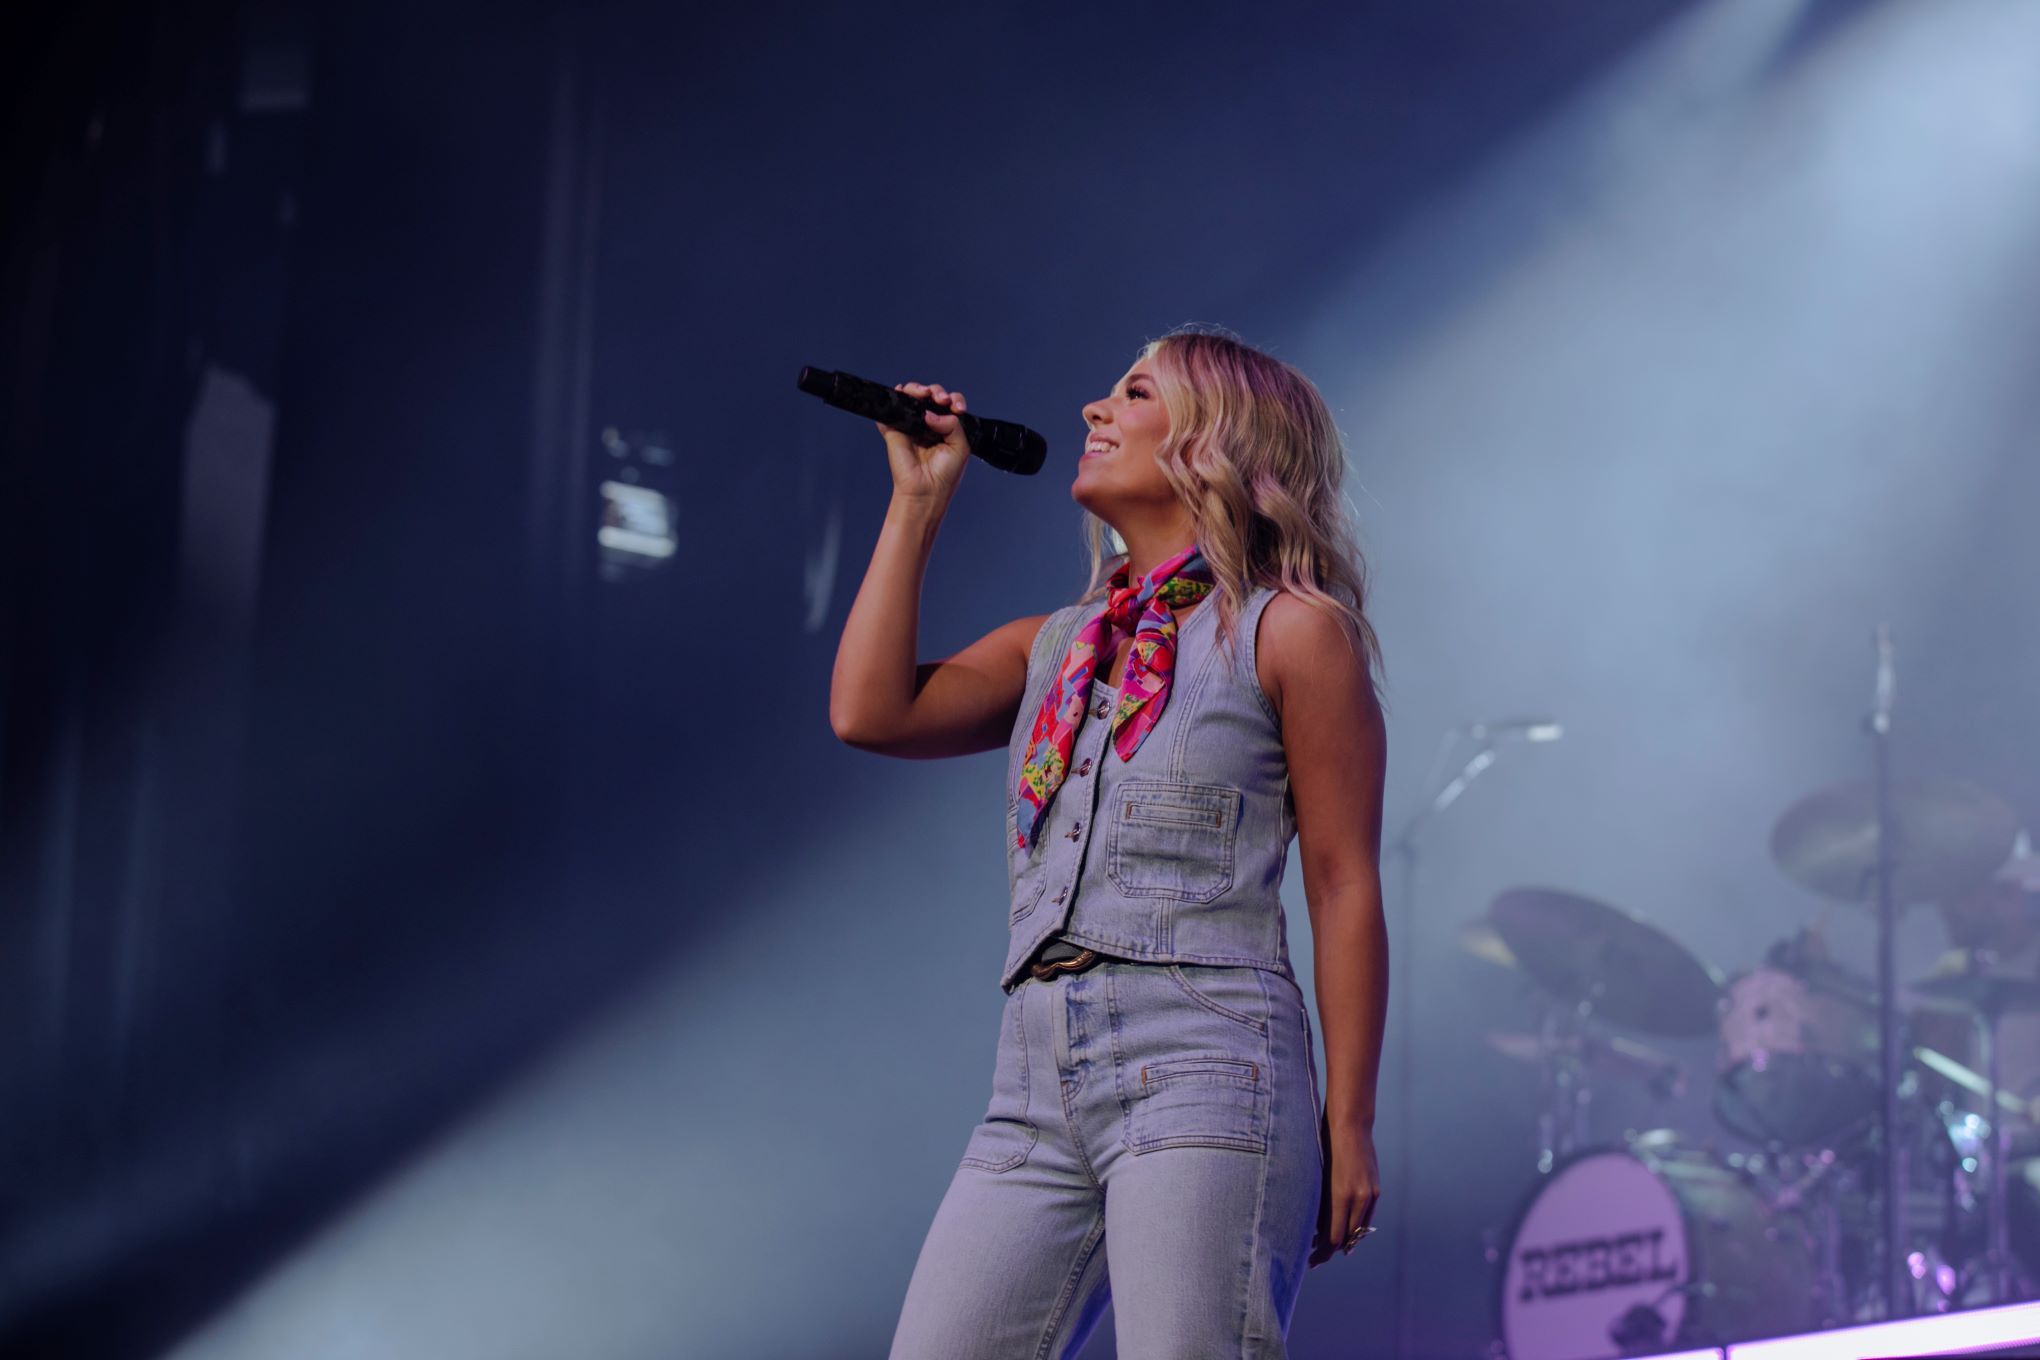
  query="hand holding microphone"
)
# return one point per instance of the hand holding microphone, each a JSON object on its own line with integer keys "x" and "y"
{"x": 914, "y": 411}
{"x": 928, "y": 474}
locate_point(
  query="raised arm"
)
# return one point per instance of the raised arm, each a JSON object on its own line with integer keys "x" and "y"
{"x": 957, "y": 706}
{"x": 879, "y": 698}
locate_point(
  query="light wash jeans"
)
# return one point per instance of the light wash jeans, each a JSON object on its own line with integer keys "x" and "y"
{"x": 1152, "y": 1139}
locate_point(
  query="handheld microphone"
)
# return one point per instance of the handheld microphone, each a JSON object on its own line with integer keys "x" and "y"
{"x": 1002, "y": 443}
{"x": 1515, "y": 729}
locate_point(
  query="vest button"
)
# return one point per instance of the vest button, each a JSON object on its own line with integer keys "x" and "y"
{"x": 1100, "y": 709}
{"x": 1074, "y": 829}
{"x": 1059, "y": 896}
{"x": 1085, "y": 768}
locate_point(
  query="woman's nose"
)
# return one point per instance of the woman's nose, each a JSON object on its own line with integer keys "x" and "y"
{"x": 1094, "y": 413}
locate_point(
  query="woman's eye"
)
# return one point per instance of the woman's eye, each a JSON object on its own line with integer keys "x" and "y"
{"x": 1136, "y": 391}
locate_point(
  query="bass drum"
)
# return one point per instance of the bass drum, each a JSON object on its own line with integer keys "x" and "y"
{"x": 1647, "y": 1248}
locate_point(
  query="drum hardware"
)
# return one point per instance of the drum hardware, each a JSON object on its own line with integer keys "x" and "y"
{"x": 1946, "y": 1262}
{"x": 1567, "y": 1053}
{"x": 1990, "y": 998}
{"x": 1592, "y": 962}
{"x": 1794, "y": 1065}
{"x": 1894, "y": 843}
{"x": 1796, "y": 1044}
{"x": 1642, "y": 1329}
{"x": 1942, "y": 1206}
{"x": 1817, "y": 1169}
{"x": 1607, "y": 1054}
{"x": 1938, "y": 1284}
{"x": 1891, "y": 1201}
{"x": 1804, "y": 954}
{"x": 1945, "y": 1067}
{"x": 1812, "y": 1187}
{"x": 1488, "y": 738}
{"x": 1562, "y": 1096}
{"x": 1972, "y": 987}
{"x": 1809, "y": 1189}
{"x": 1567, "y": 1098}
{"x": 1968, "y": 1135}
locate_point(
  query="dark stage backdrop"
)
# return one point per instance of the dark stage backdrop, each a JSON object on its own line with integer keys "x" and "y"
{"x": 429, "y": 936}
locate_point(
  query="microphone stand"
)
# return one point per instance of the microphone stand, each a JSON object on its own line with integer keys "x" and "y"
{"x": 1878, "y": 724}
{"x": 1405, "y": 849}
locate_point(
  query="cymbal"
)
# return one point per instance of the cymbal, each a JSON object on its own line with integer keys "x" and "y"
{"x": 1579, "y": 949}
{"x": 1478, "y": 938}
{"x": 1613, "y": 1055}
{"x": 2023, "y": 868}
{"x": 1950, "y": 836}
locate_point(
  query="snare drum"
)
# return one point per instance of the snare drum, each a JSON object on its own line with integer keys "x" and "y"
{"x": 1797, "y": 1066}
{"x": 1651, "y": 1247}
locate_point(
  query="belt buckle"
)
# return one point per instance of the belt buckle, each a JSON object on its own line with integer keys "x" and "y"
{"x": 1075, "y": 964}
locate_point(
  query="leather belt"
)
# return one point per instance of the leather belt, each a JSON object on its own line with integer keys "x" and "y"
{"x": 1075, "y": 963}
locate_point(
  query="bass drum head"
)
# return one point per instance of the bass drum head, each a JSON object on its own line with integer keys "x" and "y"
{"x": 1602, "y": 1235}
{"x": 1653, "y": 1247}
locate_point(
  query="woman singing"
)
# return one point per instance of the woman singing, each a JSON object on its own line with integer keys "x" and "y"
{"x": 1154, "y": 1134}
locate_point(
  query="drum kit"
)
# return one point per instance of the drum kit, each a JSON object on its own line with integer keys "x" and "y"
{"x": 1661, "y": 1242}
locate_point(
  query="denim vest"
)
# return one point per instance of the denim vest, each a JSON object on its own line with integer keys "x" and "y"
{"x": 1177, "y": 855}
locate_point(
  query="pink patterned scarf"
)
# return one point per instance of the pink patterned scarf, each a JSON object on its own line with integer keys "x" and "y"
{"x": 1146, "y": 611}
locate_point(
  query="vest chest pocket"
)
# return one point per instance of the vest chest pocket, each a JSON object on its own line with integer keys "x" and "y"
{"x": 1172, "y": 839}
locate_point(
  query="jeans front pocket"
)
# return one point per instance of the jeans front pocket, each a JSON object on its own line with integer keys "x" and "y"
{"x": 1005, "y": 1136}
{"x": 1209, "y": 1100}
{"x": 1190, "y": 1074}
{"x": 1233, "y": 991}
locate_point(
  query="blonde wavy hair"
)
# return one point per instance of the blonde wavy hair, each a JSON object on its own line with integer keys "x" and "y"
{"x": 1254, "y": 454}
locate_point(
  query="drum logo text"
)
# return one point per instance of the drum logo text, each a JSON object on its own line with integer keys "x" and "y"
{"x": 1596, "y": 1263}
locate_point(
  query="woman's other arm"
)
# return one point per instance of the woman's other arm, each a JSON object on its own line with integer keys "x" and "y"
{"x": 1337, "y": 748}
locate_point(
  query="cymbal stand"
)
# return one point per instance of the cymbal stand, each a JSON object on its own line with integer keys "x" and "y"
{"x": 1897, "y": 1296}
{"x": 1997, "y": 1254}
{"x": 1562, "y": 1113}
{"x": 1405, "y": 848}
{"x": 1817, "y": 1190}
